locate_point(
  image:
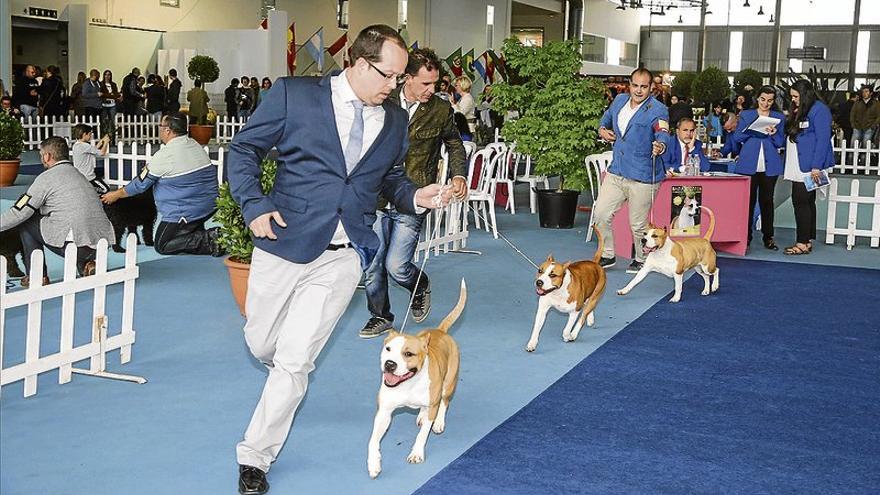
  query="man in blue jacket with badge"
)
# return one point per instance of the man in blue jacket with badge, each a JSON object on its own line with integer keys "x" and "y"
{"x": 638, "y": 126}
{"x": 340, "y": 144}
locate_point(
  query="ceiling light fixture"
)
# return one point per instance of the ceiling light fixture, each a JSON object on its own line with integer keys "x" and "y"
{"x": 772, "y": 21}
{"x": 680, "y": 21}
{"x": 746, "y": 4}
{"x": 761, "y": 10}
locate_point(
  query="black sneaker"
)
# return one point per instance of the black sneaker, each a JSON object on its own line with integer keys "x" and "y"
{"x": 607, "y": 262}
{"x": 375, "y": 327}
{"x": 635, "y": 266}
{"x": 421, "y": 305}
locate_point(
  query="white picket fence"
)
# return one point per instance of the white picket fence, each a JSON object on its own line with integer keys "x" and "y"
{"x": 857, "y": 159}
{"x": 36, "y": 129}
{"x": 120, "y": 167}
{"x": 227, "y": 127}
{"x": 445, "y": 229}
{"x": 853, "y": 200}
{"x": 137, "y": 128}
{"x": 101, "y": 343}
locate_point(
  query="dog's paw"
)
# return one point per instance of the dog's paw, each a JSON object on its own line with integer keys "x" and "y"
{"x": 591, "y": 319}
{"x": 439, "y": 425}
{"x": 374, "y": 470}
{"x": 675, "y": 299}
{"x": 705, "y": 292}
{"x": 531, "y": 346}
{"x": 622, "y": 292}
{"x": 416, "y": 457}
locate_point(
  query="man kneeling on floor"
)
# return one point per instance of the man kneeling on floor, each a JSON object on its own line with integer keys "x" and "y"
{"x": 67, "y": 210}
{"x": 184, "y": 185}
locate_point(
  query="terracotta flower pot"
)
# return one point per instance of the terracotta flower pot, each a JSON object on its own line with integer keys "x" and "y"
{"x": 238, "y": 280}
{"x": 201, "y": 133}
{"x": 8, "y": 171}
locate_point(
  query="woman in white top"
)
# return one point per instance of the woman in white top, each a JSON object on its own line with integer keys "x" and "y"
{"x": 85, "y": 154}
{"x": 465, "y": 104}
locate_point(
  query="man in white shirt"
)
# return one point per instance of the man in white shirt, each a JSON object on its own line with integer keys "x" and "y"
{"x": 340, "y": 145}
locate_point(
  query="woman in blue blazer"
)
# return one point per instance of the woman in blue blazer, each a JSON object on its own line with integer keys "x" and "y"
{"x": 759, "y": 157}
{"x": 808, "y": 151}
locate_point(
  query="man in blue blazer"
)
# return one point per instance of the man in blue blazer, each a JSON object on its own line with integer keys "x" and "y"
{"x": 340, "y": 145}
{"x": 638, "y": 125}
{"x": 684, "y": 149}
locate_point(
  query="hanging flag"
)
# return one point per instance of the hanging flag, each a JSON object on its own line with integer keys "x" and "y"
{"x": 467, "y": 63}
{"x": 336, "y": 50}
{"x": 498, "y": 62}
{"x": 480, "y": 68}
{"x": 488, "y": 66}
{"x": 315, "y": 46}
{"x": 414, "y": 46}
{"x": 453, "y": 62}
{"x": 291, "y": 49}
{"x": 264, "y": 24}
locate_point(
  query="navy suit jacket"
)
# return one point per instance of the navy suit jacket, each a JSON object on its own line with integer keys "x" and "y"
{"x": 313, "y": 190}
{"x": 752, "y": 142}
{"x": 672, "y": 155}
{"x": 814, "y": 139}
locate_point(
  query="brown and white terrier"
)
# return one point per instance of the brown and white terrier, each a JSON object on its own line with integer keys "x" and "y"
{"x": 674, "y": 257}
{"x": 574, "y": 287}
{"x": 418, "y": 371}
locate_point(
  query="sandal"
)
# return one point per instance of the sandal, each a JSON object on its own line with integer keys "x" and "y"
{"x": 771, "y": 245}
{"x": 798, "y": 249}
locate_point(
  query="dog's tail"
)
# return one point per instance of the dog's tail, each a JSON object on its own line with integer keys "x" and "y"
{"x": 456, "y": 311}
{"x": 601, "y": 243}
{"x": 594, "y": 297}
{"x": 711, "y": 228}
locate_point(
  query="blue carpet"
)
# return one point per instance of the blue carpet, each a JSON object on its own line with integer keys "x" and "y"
{"x": 689, "y": 399}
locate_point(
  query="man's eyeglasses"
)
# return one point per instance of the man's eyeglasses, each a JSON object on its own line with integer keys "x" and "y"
{"x": 398, "y": 78}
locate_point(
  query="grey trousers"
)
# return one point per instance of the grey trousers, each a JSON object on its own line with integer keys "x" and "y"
{"x": 614, "y": 192}
{"x": 291, "y": 312}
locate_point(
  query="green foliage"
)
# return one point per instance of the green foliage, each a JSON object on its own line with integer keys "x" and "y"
{"x": 683, "y": 84}
{"x": 710, "y": 85}
{"x": 829, "y": 85}
{"x": 559, "y": 111}
{"x": 11, "y": 137}
{"x": 203, "y": 68}
{"x": 235, "y": 236}
{"x": 747, "y": 77}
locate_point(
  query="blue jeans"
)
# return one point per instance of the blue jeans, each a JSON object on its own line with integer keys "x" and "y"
{"x": 863, "y": 136}
{"x": 398, "y": 237}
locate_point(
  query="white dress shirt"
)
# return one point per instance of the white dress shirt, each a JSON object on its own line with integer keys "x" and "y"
{"x": 626, "y": 114}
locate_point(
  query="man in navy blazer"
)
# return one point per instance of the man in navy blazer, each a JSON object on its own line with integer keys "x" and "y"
{"x": 340, "y": 145}
{"x": 638, "y": 125}
{"x": 684, "y": 149}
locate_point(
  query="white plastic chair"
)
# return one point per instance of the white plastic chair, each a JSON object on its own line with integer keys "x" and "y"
{"x": 505, "y": 170}
{"x": 596, "y": 166}
{"x": 482, "y": 198}
{"x": 531, "y": 180}
{"x": 470, "y": 148}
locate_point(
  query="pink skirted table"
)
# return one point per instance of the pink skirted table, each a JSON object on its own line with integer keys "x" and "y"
{"x": 727, "y": 196}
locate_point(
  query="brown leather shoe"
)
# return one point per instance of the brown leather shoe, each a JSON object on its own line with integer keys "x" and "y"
{"x": 89, "y": 269}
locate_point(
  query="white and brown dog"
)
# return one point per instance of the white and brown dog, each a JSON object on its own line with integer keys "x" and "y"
{"x": 674, "y": 258}
{"x": 418, "y": 371}
{"x": 573, "y": 288}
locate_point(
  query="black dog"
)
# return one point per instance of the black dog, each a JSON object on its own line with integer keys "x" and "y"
{"x": 130, "y": 213}
{"x": 10, "y": 246}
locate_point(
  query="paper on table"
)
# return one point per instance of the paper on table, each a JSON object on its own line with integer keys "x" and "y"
{"x": 762, "y": 123}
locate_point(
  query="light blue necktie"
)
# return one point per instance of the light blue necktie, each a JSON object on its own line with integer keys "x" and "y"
{"x": 355, "y": 137}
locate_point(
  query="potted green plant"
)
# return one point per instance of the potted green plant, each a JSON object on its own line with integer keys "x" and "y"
{"x": 205, "y": 69}
{"x": 710, "y": 86}
{"x": 683, "y": 84}
{"x": 235, "y": 236}
{"x": 11, "y": 144}
{"x": 559, "y": 115}
{"x": 747, "y": 81}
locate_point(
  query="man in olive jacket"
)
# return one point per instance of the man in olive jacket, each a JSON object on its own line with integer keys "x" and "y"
{"x": 430, "y": 126}
{"x": 198, "y": 104}
{"x": 865, "y": 116}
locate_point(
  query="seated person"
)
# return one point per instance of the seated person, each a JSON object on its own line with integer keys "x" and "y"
{"x": 184, "y": 183}
{"x": 85, "y": 154}
{"x": 59, "y": 207}
{"x": 7, "y": 108}
{"x": 685, "y": 149}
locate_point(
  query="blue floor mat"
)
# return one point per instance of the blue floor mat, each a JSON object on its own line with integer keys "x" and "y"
{"x": 689, "y": 399}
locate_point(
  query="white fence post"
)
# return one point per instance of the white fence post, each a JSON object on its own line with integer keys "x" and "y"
{"x": 100, "y": 344}
{"x": 853, "y": 200}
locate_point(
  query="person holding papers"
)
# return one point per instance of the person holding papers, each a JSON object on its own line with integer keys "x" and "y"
{"x": 760, "y": 135}
{"x": 808, "y": 153}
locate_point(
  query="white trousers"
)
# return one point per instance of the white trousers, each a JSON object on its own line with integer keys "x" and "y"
{"x": 292, "y": 310}
{"x": 615, "y": 191}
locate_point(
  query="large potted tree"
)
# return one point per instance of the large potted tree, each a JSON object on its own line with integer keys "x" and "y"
{"x": 710, "y": 86}
{"x": 559, "y": 116}
{"x": 205, "y": 69}
{"x": 11, "y": 144}
{"x": 235, "y": 236}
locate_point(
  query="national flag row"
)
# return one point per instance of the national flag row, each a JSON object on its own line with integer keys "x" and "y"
{"x": 489, "y": 65}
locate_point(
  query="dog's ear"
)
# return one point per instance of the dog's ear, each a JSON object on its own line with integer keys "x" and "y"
{"x": 550, "y": 258}
{"x": 565, "y": 266}
{"x": 425, "y": 338}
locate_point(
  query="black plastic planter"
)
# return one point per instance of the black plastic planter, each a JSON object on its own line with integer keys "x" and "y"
{"x": 556, "y": 209}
